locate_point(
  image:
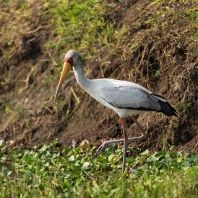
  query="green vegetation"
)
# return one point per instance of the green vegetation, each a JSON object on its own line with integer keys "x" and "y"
{"x": 81, "y": 25}
{"x": 54, "y": 172}
{"x": 51, "y": 171}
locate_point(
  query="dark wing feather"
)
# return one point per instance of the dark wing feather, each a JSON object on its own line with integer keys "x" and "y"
{"x": 166, "y": 108}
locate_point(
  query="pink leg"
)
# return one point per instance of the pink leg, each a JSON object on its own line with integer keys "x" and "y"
{"x": 126, "y": 140}
{"x": 141, "y": 137}
{"x": 126, "y": 143}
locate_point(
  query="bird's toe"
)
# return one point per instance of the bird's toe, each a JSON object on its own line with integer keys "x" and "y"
{"x": 102, "y": 147}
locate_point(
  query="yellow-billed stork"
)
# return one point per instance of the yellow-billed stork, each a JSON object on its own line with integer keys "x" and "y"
{"x": 125, "y": 98}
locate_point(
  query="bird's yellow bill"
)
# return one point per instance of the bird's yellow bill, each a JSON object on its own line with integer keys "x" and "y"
{"x": 65, "y": 71}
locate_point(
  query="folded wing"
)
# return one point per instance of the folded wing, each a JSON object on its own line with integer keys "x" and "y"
{"x": 128, "y": 97}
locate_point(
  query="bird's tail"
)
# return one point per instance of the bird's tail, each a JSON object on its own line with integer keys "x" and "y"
{"x": 166, "y": 108}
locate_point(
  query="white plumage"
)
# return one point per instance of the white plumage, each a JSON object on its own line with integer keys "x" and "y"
{"x": 121, "y": 96}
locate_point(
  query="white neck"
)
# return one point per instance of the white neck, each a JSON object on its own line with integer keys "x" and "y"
{"x": 82, "y": 80}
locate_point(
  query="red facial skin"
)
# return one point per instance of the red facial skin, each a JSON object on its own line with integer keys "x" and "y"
{"x": 69, "y": 60}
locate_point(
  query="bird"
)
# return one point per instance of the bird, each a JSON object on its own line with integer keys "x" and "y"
{"x": 123, "y": 97}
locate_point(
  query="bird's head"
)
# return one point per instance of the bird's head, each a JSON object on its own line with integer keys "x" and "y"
{"x": 71, "y": 59}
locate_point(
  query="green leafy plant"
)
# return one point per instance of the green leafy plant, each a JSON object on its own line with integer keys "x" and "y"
{"x": 71, "y": 172}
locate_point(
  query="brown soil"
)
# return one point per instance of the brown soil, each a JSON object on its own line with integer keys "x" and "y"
{"x": 29, "y": 117}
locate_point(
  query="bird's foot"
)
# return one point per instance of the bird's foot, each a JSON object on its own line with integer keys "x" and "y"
{"x": 102, "y": 147}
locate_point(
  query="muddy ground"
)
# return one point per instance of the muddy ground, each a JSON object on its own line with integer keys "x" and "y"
{"x": 165, "y": 61}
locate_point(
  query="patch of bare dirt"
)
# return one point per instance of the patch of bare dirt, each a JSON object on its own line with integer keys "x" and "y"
{"x": 164, "y": 61}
